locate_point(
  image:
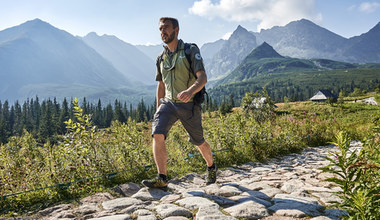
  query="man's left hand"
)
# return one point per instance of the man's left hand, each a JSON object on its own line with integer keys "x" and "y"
{"x": 184, "y": 96}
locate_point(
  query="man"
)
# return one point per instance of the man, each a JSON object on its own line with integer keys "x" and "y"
{"x": 178, "y": 82}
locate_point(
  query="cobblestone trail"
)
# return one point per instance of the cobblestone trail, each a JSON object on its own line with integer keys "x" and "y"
{"x": 288, "y": 187}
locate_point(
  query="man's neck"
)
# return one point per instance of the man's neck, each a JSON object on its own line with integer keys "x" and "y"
{"x": 173, "y": 45}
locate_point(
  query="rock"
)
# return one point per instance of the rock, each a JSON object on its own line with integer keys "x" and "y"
{"x": 147, "y": 194}
{"x": 120, "y": 203}
{"x": 249, "y": 210}
{"x": 294, "y": 213}
{"x": 335, "y": 213}
{"x": 195, "y": 202}
{"x": 97, "y": 198}
{"x": 114, "y": 217}
{"x": 228, "y": 191}
{"x": 127, "y": 189}
{"x": 87, "y": 209}
{"x": 271, "y": 192}
{"x": 167, "y": 210}
{"x": 211, "y": 212}
{"x": 307, "y": 205}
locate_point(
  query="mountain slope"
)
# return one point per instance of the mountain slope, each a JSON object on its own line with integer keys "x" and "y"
{"x": 233, "y": 51}
{"x": 364, "y": 48}
{"x": 304, "y": 39}
{"x": 125, "y": 57}
{"x": 265, "y": 60}
{"x": 39, "y": 59}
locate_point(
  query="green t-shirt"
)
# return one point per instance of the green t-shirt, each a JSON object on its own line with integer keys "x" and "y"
{"x": 174, "y": 69}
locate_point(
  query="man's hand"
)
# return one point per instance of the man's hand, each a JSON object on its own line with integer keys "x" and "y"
{"x": 184, "y": 96}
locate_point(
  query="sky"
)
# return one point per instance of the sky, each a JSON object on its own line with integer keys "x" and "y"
{"x": 201, "y": 21}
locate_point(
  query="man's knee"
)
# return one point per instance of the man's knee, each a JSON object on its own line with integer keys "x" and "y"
{"x": 159, "y": 137}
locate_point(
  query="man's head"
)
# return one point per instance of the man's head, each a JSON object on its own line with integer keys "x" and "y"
{"x": 169, "y": 29}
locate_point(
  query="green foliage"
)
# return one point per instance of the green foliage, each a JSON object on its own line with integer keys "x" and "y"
{"x": 259, "y": 104}
{"x": 358, "y": 174}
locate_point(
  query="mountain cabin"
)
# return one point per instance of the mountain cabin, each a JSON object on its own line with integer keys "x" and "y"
{"x": 322, "y": 95}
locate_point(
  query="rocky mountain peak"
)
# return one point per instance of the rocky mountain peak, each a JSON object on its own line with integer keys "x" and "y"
{"x": 264, "y": 51}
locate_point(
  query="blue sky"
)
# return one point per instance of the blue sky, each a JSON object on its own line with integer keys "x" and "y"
{"x": 201, "y": 21}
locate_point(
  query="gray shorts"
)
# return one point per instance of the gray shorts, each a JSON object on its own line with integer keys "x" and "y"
{"x": 189, "y": 115}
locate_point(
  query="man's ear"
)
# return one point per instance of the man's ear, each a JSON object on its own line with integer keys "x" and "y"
{"x": 177, "y": 30}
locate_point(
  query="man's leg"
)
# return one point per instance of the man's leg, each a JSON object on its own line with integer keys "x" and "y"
{"x": 160, "y": 158}
{"x": 159, "y": 153}
{"x": 211, "y": 167}
{"x": 205, "y": 150}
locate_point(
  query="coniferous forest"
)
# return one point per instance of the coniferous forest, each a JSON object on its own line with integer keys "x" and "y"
{"x": 45, "y": 119}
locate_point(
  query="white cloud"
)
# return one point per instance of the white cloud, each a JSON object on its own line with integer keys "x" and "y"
{"x": 226, "y": 36}
{"x": 267, "y": 12}
{"x": 368, "y": 7}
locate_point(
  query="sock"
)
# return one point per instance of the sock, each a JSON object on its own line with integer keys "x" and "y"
{"x": 162, "y": 176}
{"x": 212, "y": 166}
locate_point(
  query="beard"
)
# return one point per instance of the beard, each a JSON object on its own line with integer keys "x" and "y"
{"x": 169, "y": 39}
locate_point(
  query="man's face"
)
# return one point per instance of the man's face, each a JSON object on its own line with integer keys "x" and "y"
{"x": 168, "y": 33}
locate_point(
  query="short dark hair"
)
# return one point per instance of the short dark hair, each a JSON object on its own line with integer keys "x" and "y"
{"x": 174, "y": 21}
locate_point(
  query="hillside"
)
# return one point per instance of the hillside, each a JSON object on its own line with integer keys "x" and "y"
{"x": 39, "y": 59}
{"x": 297, "y": 79}
{"x": 126, "y": 58}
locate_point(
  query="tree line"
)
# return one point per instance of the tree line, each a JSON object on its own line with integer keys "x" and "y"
{"x": 45, "y": 119}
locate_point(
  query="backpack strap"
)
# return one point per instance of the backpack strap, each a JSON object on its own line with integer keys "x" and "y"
{"x": 188, "y": 55}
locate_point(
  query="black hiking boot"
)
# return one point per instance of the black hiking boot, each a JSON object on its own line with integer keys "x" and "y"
{"x": 157, "y": 182}
{"x": 211, "y": 175}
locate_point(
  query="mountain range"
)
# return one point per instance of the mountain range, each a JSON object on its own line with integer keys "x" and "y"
{"x": 37, "y": 58}
{"x": 298, "y": 39}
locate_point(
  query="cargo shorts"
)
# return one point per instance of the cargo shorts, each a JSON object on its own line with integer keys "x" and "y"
{"x": 189, "y": 114}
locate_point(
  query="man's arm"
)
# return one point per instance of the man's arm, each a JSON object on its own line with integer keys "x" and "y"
{"x": 201, "y": 81}
{"x": 160, "y": 92}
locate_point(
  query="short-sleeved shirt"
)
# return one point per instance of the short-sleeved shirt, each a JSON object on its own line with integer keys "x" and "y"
{"x": 174, "y": 69}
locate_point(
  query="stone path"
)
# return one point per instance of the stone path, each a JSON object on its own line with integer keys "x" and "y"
{"x": 290, "y": 187}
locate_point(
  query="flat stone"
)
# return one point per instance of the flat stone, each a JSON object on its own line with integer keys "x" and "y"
{"x": 193, "y": 192}
{"x": 211, "y": 212}
{"x": 142, "y": 212}
{"x": 307, "y": 205}
{"x": 167, "y": 210}
{"x": 150, "y": 194}
{"x": 228, "y": 191}
{"x": 292, "y": 185}
{"x": 147, "y": 217}
{"x": 257, "y": 194}
{"x": 246, "y": 197}
{"x": 87, "y": 209}
{"x": 328, "y": 198}
{"x": 170, "y": 198}
{"x": 195, "y": 202}
{"x": 176, "y": 218}
{"x": 249, "y": 210}
{"x": 271, "y": 192}
{"x": 114, "y": 217}
{"x": 120, "y": 203}
{"x": 290, "y": 213}
{"x": 212, "y": 189}
{"x": 97, "y": 198}
{"x": 127, "y": 189}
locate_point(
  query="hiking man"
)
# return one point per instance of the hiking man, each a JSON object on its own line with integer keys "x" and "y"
{"x": 178, "y": 81}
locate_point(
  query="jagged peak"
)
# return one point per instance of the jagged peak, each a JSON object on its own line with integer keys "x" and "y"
{"x": 264, "y": 51}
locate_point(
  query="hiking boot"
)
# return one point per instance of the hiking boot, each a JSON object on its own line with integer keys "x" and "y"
{"x": 211, "y": 175}
{"x": 157, "y": 182}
